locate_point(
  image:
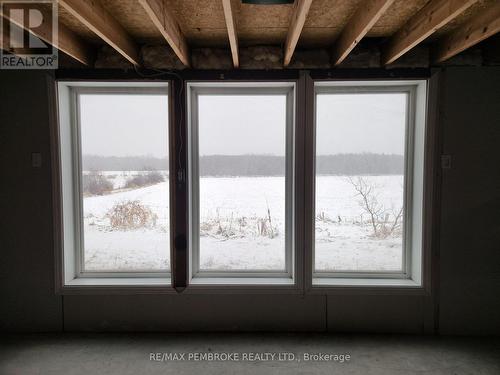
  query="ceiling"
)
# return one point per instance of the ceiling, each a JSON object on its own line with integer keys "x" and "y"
{"x": 396, "y": 26}
{"x": 203, "y": 24}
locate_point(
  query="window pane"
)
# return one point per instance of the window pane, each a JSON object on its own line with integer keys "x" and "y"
{"x": 242, "y": 182}
{"x": 124, "y": 145}
{"x": 360, "y": 145}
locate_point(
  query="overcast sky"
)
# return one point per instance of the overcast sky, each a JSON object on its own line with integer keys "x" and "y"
{"x": 238, "y": 125}
{"x": 124, "y": 125}
{"x": 133, "y": 125}
{"x": 354, "y": 123}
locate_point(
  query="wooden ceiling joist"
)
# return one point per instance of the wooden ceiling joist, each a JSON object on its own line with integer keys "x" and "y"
{"x": 231, "y": 31}
{"x": 430, "y": 18}
{"x": 17, "y": 38}
{"x": 72, "y": 45}
{"x": 301, "y": 8}
{"x": 93, "y": 15}
{"x": 4, "y": 41}
{"x": 66, "y": 41}
{"x": 359, "y": 24}
{"x": 168, "y": 26}
{"x": 482, "y": 26}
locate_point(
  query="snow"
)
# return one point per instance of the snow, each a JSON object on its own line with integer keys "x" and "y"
{"x": 347, "y": 243}
{"x": 227, "y": 200}
{"x": 235, "y": 229}
{"x": 139, "y": 249}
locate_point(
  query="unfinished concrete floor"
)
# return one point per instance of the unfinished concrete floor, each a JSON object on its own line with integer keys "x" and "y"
{"x": 130, "y": 354}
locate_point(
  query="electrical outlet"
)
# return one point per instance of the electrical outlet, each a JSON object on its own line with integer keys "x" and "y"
{"x": 445, "y": 161}
{"x": 36, "y": 160}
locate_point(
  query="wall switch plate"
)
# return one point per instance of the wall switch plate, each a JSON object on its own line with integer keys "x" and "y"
{"x": 445, "y": 161}
{"x": 36, "y": 160}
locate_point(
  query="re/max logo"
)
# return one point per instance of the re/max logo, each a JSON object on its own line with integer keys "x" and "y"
{"x": 164, "y": 357}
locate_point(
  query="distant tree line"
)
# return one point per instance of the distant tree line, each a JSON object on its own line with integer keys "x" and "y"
{"x": 360, "y": 164}
{"x": 257, "y": 165}
{"x": 242, "y": 165}
{"x": 123, "y": 163}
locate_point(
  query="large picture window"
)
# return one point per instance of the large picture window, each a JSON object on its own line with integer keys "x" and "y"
{"x": 117, "y": 164}
{"x": 295, "y": 184}
{"x": 241, "y": 165}
{"x": 368, "y": 182}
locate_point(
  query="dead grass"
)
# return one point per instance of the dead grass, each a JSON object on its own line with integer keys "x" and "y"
{"x": 131, "y": 215}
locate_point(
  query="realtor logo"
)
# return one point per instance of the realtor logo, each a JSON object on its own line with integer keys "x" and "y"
{"x": 28, "y": 34}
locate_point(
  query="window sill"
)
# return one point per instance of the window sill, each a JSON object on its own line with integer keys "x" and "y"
{"x": 242, "y": 285}
{"x": 117, "y": 285}
{"x": 242, "y": 281}
{"x": 118, "y": 281}
{"x": 366, "y": 282}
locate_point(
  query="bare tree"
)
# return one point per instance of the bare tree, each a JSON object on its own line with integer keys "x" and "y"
{"x": 379, "y": 216}
{"x": 398, "y": 216}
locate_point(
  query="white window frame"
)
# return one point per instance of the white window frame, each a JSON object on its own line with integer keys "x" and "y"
{"x": 411, "y": 274}
{"x": 73, "y": 273}
{"x": 240, "y": 277}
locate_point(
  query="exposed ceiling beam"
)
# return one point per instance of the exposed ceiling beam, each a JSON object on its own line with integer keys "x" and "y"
{"x": 93, "y": 15}
{"x": 67, "y": 41}
{"x": 5, "y": 44}
{"x": 301, "y": 8}
{"x": 231, "y": 30}
{"x": 4, "y": 40}
{"x": 72, "y": 45}
{"x": 16, "y": 38}
{"x": 430, "y": 18}
{"x": 480, "y": 27}
{"x": 168, "y": 26}
{"x": 359, "y": 24}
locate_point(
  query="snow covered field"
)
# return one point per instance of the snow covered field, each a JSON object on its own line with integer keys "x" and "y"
{"x": 242, "y": 225}
{"x": 126, "y": 250}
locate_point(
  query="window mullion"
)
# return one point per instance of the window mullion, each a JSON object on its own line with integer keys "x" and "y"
{"x": 178, "y": 185}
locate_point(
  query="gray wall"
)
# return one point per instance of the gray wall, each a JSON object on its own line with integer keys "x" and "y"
{"x": 27, "y": 294}
{"x": 465, "y": 299}
{"x": 469, "y": 289}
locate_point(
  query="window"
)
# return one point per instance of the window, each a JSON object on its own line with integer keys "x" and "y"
{"x": 241, "y": 166}
{"x": 116, "y": 179}
{"x": 304, "y": 185}
{"x": 368, "y": 182}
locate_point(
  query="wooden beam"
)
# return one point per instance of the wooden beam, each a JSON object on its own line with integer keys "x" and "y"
{"x": 93, "y": 15}
{"x": 168, "y": 26}
{"x": 67, "y": 41}
{"x": 231, "y": 31}
{"x": 430, "y": 18}
{"x": 72, "y": 45}
{"x": 482, "y": 26}
{"x": 4, "y": 40}
{"x": 301, "y": 8}
{"x": 5, "y": 44}
{"x": 359, "y": 24}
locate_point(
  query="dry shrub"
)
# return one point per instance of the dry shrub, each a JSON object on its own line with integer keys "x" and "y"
{"x": 265, "y": 226}
{"x": 263, "y": 229}
{"x": 230, "y": 227}
{"x": 96, "y": 183}
{"x": 322, "y": 216}
{"x": 147, "y": 179}
{"x": 131, "y": 215}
